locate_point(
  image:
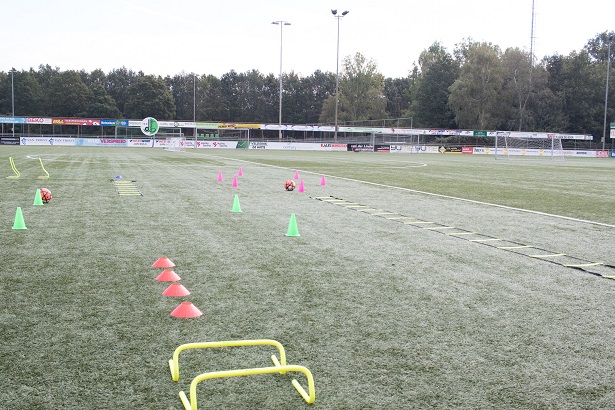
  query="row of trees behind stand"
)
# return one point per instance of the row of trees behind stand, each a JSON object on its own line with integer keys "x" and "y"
{"x": 477, "y": 86}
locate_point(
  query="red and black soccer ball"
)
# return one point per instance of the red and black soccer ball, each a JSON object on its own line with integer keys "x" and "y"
{"x": 45, "y": 195}
{"x": 289, "y": 185}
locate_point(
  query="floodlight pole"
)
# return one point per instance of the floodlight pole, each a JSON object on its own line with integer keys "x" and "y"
{"x": 337, "y": 68}
{"x": 13, "y": 100}
{"x": 194, "y": 111}
{"x": 281, "y": 24}
{"x": 606, "y": 98}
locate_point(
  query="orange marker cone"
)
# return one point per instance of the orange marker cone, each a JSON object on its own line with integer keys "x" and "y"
{"x": 322, "y": 181}
{"x": 168, "y": 275}
{"x": 186, "y": 310}
{"x": 163, "y": 262}
{"x": 176, "y": 289}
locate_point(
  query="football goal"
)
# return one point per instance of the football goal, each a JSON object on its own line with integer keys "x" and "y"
{"x": 528, "y": 146}
{"x": 175, "y": 144}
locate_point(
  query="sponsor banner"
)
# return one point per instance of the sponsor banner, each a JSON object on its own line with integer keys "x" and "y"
{"x": 116, "y": 123}
{"x": 36, "y": 120}
{"x": 60, "y": 141}
{"x": 239, "y": 125}
{"x": 612, "y": 154}
{"x": 382, "y": 148}
{"x": 602, "y": 154}
{"x": 176, "y": 124}
{"x": 467, "y": 150}
{"x": 480, "y": 150}
{"x": 333, "y": 147}
{"x": 101, "y": 142}
{"x": 75, "y": 121}
{"x": 217, "y": 144}
{"x": 133, "y": 123}
{"x": 9, "y": 140}
{"x": 12, "y": 120}
{"x": 207, "y": 125}
{"x": 258, "y": 145}
{"x": 360, "y": 147}
{"x": 140, "y": 143}
{"x": 450, "y": 150}
{"x": 612, "y": 133}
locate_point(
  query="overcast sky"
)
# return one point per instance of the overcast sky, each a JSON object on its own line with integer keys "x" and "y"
{"x": 214, "y": 37}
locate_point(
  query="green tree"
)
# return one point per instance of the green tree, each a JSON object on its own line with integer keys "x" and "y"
{"x": 27, "y": 91}
{"x": 68, "y": 95}
{"x": 475, "y": 97}
{"x": 316, "y": 88}
{"x": 148, "y": 96}
{"x": 580, "y": 83}
{"x": 397, "y": 92}
{"x": 118, "y": 81}
{"x": 438, "y": 71}
{"x": 210, "y": 102}
{"x": 361, "y": 92}
{"x": 101, "y": 104}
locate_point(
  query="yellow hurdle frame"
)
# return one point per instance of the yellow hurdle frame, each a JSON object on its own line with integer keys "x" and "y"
{"x": 308, "y": 397}
{"x": 174, "y": 361}
{"x": 46, "y": 176}
{"x": 17, "y": 174}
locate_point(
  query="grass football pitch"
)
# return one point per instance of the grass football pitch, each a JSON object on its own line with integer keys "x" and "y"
{"x": 394, "y": 295}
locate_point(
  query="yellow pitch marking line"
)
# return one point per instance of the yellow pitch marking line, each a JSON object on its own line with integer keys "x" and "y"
{"x": 397, "y": 218}
{"x": 385, "y": 213}
{"x": 356, "y": 206}
{"x": 435, "y": 228}
{"x": 418, "y": 223}
{"x": 332, "y": 200}
{"x": 553, "y": 255}
{"x": 514, "y": 247}
{"x": 461, "y": 233}
{"x": 486, "y": 240}
{"x": 583, "y": 265}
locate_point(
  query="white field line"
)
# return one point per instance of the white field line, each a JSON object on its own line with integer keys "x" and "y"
{"x": 511, "y": 208}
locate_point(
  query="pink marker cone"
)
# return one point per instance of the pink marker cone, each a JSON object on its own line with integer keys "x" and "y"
{"x": 240, "y": 173}
{"x": 301, "y": 187}
{"x": 296, "y": 174}
{"x": 219, "y": 176}
{"x": 322, "y": 181}
{"x": 235, "y": 181}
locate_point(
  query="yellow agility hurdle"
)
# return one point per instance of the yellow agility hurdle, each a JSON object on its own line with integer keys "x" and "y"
{"x": 46, "y": 176}
{"x": 17, "y": 174}
{"x": 309, "y": 397}
{"x": 174, "y": 361}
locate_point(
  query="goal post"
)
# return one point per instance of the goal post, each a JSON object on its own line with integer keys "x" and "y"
{"x": 509, "y": 145}
{"x": 175, "y": 144}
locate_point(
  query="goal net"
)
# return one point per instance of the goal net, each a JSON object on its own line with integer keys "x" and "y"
{"x": 525, "y": 146}
{"x": 175, "y": 144}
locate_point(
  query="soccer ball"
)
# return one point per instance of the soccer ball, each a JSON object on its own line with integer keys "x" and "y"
{"x": 45, "y": 195}
{"x": 289, "y": 185}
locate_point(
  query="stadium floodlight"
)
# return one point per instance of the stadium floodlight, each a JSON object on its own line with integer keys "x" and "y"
{"x": 606, "y": 98}
{"x": 337, "y": 68}
{"x": 281, "y": 24}
{"x": 13, "y": 99}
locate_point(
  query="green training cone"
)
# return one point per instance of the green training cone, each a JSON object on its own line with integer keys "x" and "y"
{"x": 19, "y": 222}
{"x": 38, "y": 200}
{"x": 236, "y": 206}
{"x": 292, "y": 227}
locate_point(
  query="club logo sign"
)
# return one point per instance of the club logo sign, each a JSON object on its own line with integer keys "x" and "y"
{"x": 149, "y": 126}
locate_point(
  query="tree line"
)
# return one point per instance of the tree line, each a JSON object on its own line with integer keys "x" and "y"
{"x": 476, "y": 86}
